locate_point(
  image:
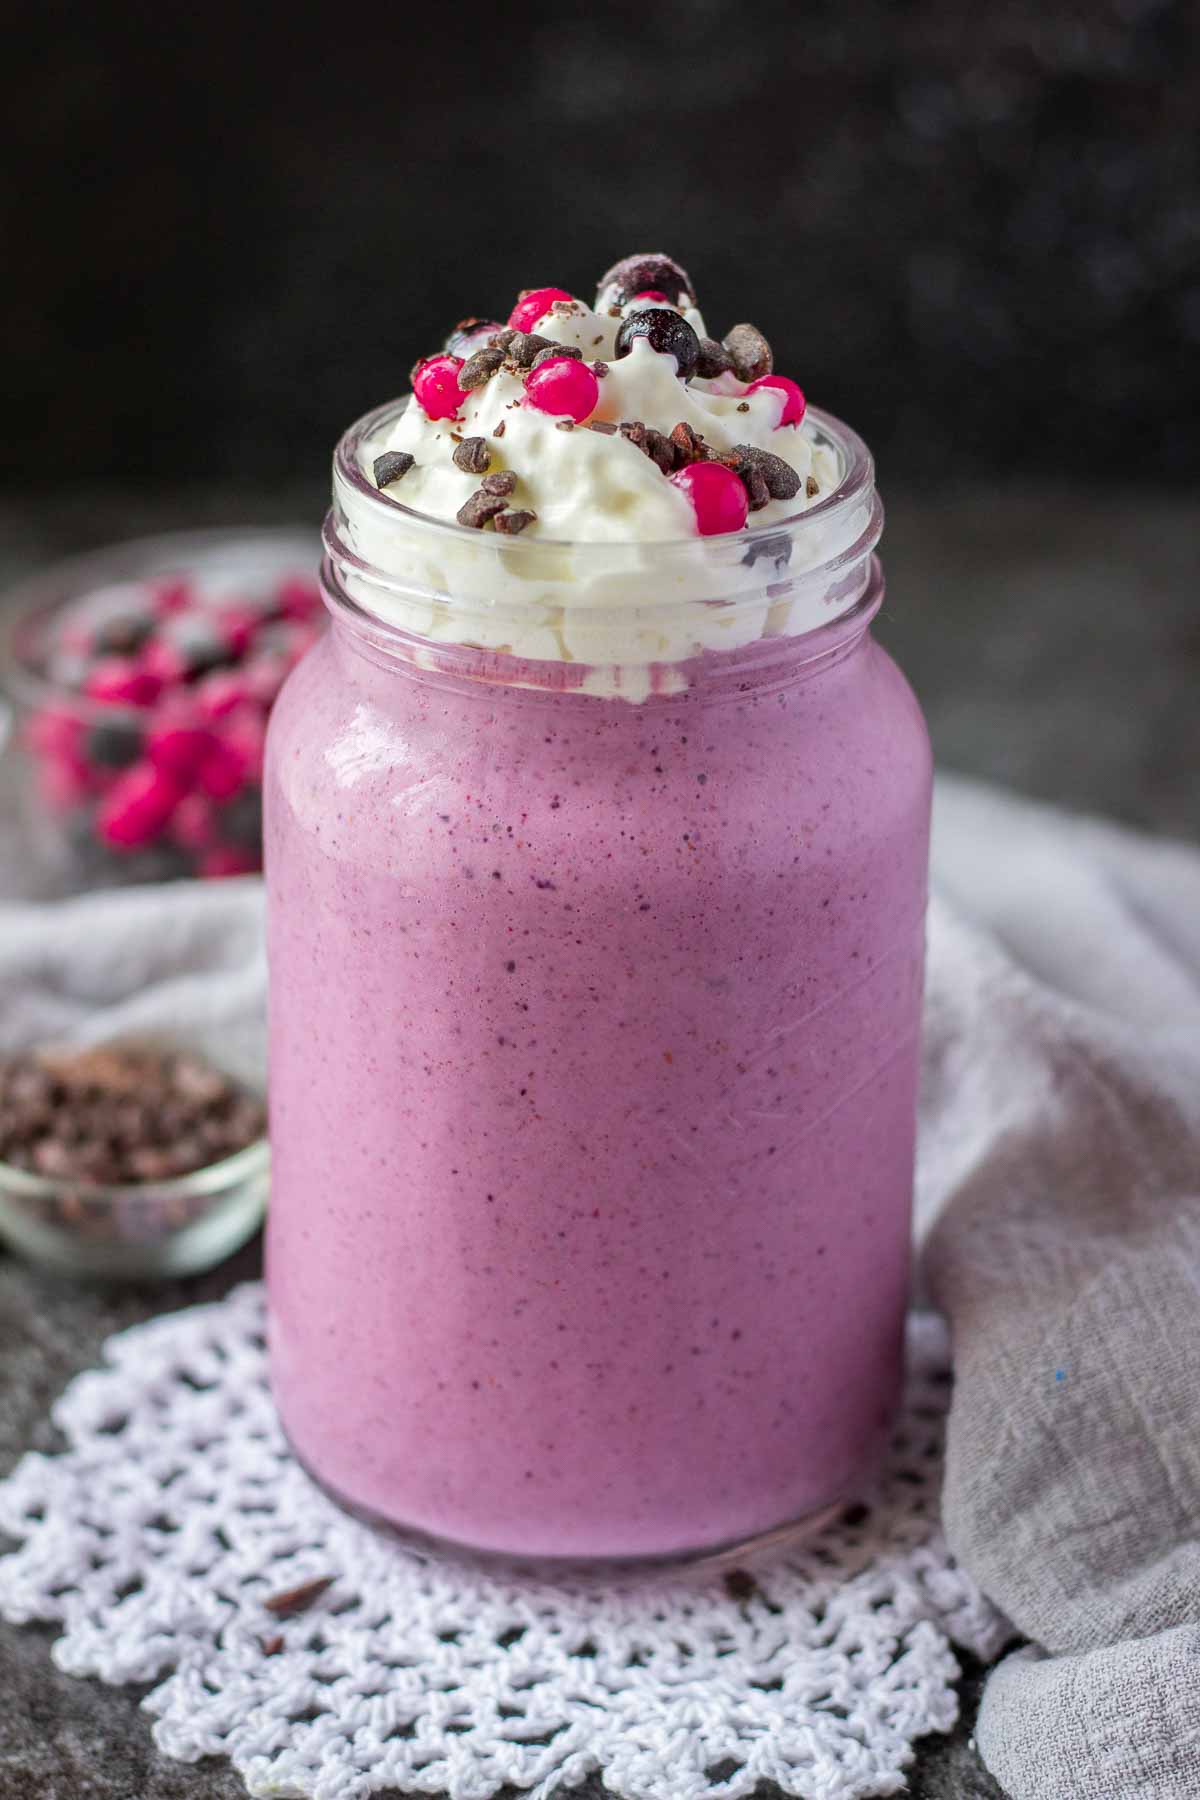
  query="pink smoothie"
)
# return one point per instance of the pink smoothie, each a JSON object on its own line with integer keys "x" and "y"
{"x": 593, "y": 1067}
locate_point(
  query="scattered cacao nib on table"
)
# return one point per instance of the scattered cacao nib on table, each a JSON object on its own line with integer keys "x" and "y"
{"x": 121, "y": 1113}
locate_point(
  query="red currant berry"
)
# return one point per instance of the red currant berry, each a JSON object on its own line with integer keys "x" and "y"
{"x": 220, "y": 692}
{"x": 119, "y": 681}
{"x": 237, "y": 625}
{"x": 194, "y": 823}
{"x": 223, "y": 771}
{"x": 165, "y": 662}
{"x": 246, "y": 733}
{"x": 534, "y": 306}
{"x": 298, "y": 598}
{"x": 137, "y": 807}
{"x": 793, "y": 399}
{"x": 227, "y": 859}
{"x": 435, "y": 384}
{"x": 651, "y": 294}
{"x": 172, "y": 596}
{"x": 176, "y": 743}
{"x": 566, "y": 388}
{"x": 54, "y": 731}
{"x": 718, "y": 497}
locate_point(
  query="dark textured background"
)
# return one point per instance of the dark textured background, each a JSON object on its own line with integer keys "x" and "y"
{"x": 973, "y": 230}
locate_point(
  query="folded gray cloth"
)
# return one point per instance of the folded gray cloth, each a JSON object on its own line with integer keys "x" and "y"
{"x": 186, "y": 959}
{"x": 1058, "y": 1197}
{"x": 1060, "y": 1166}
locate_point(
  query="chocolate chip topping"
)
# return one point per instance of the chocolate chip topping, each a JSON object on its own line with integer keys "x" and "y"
{"x": 481, "y": 507}
{"x": 690, "y": 447}
{"x": 665, "y": 332}
{"x": 480, "y": 367}
{"x": 502, "y": 482}
{"x": 523, "y": 346}
{"x": 755, "y": 485}
{"x": 297, "y": 1599}
{"x": 500, "y": 340}
{"x": 750, "y": 351}
{"x": 812, "y": 486}
{"x": 781, "y": 479}
{"x": 473, "y": 456}
{"x": 553, "y": 352}
{"x": 714, "y": 359}
{"x": 391, "y": 466}
{"x": 604, "y": 426}
{"x": 500, "y": 427}
{"x": 121, "y": 1113}
{"x": 660, "y": 450}
{"x": 599, "y": 370}
{"x": 512, "y": 523}
{"x": 646, "y": 271}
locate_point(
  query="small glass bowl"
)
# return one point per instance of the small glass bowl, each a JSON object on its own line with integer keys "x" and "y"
{"x": 150, "y": 1229}
{"x": 63, "y": 781}
{"x": 136, "y": 1231}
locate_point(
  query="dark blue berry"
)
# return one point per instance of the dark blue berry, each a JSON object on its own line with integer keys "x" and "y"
{"x": 113, "y": 743}
{"x": 646, "y": 274}
{"x": 203, "y": 650}
{"x": 664, "y": 331}
{"x": 123, "y": 634}
{"x": 241, "y": 819}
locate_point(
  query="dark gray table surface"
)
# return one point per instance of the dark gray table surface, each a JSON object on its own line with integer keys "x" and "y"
{"x": 1054, "y": 638}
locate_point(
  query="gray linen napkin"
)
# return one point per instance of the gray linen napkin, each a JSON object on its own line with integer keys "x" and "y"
{"x": 1060, "y": 1166}
{"x": 1058, "y": 1194}
{"x": 185, "y": 959}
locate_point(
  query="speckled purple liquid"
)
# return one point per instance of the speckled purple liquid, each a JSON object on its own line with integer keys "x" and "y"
{"x": 593, "y": 1069}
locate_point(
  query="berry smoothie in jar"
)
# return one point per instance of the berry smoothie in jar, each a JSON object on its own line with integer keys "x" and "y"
{"x": 596, "y": 836}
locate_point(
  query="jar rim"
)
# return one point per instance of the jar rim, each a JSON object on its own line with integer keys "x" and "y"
{"x": 858, "y": 479}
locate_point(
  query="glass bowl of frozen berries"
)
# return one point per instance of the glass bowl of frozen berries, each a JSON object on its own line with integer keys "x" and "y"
{"x": 142, "y": 678}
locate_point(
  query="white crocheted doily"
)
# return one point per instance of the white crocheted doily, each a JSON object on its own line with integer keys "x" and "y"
{"x": 175, "y": 1514}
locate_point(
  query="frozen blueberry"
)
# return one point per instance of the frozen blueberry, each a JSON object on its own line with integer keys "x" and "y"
{"x": 641, "y": 274}
{"x": 123, "y": 634}
{"x": 202, "y": 649}
{"x": 664, "y": 331}
{"x": 113, "y": 743}
{"x": 240, "y": 819}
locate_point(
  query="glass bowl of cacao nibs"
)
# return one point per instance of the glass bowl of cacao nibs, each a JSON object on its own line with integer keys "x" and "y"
{"x": 142, "y": 678}
{"x": 128, "y": 1159}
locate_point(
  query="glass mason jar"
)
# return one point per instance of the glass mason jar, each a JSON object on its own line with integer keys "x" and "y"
{"x": 596, "y": 883}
